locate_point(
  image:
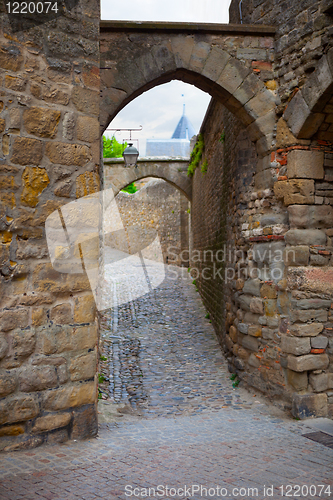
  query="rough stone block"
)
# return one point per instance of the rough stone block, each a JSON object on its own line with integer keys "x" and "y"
{"x": 8, "y": 382}
{"x": 254, "y": 331}
{"x": 308, "y": 362}
{"x": 87, "y": 129}
{"x": 314, "y": 315}
{"x": 295, "y": 191}
{"x": 83, "y": 367}
{"x": 12, "y": 430}
{"x": 252, "y": 287}
{"x": 295, "y": 345}
{"x": 42, "y": 122}
{"x": 3, "y": 346}
{"x": 37, "y": 379}
{"x": 84, "y": 337}
{"x": 305, "y": 237}
{"x": 23, "y": 342}
{"x": 296, "y": 256}
{"x": 255, "y": 54}
{"x": 10, "y": 57}
{"x": 70, "y": 396}
{"x": 15, "y": 83}
{"x": 17, "y": 409}
{"x": 256, "y": 306}
{"x": 311, "y": 330}
{"x": 261, "y": 105}
{"x": 85, "y": 423}
{"x": 311, "y": 304}
{"x": 319, "y": 260}
{"x": 233, "y": 333}
{"x": 244, "y": 302}
{"x": 27, "y": 151}
{"x": 268, "y": 333}
{"x": 264, "y": 180}
{"x": 182, "y": 47}
{"x": 296, "y": 114}
{"x": 243, "y": 328}
{"x": 268, "y": 291}
{"x": 284, "y": 137}
{"x": 321, "y": 382}
{"x": 84, "y": 309}
{"x": 199, "y": 55}
{"x": 86, "y": 100}
{"x": 62, "y": 314}
{"x": 35, "y": 180}
{"x": 215, "y": 63}
{"x": 297, "y": 380}
{"x": 251, "y": 343}
{"x": 308, "y": 217}
{"x": 309, "y": 405}
{"x": 50, "y": 422}
{"x": 233, "y": 75}
{"x": 305, "y": 164}
{"x": 254, "y": 361}
{"x": 319, "y": 342}
{"x": 67, "y": 154}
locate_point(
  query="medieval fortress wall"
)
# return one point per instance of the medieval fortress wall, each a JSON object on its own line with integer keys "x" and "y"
{"x": 272, "y": 299}
{"x": 50, "y": 153}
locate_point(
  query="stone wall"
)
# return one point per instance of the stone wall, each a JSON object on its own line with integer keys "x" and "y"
{"x": 268, "y": 288}
{"x": 304, "y": 34}
{"x": 49, "y": 107}
{"x": 162, "y": 208}
{"x": 277, "y": 324}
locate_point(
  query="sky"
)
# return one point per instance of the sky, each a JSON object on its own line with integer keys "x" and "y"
{"x": 159, "y": 109}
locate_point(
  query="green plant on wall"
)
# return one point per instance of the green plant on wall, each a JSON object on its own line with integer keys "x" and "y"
{"x": 196, "y": 155}
{"x": 204, "y": 167}
{"x": 222, "y": 137}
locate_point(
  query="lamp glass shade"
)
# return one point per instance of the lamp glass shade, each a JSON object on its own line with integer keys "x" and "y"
{"x": 130, "y": 155}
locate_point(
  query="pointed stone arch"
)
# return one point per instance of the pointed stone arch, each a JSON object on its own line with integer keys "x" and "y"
{"x": 312, "y": 105}
{"x": 172, "y": 170}
{"x": 136, "y": 57}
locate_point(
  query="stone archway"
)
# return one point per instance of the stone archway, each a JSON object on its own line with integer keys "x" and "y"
{"x": 172, "y": 170}
{"x": 138, "y": 56}
{"x": 312, "y": 105}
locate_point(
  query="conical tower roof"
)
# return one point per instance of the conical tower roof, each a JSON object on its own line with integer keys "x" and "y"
{"x": 184, "y": 129}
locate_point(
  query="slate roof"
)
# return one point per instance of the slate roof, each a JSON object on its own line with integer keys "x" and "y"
{"x": 184, "y": 129}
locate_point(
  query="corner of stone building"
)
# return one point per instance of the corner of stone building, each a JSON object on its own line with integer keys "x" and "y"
{"x": 49, "y": 106}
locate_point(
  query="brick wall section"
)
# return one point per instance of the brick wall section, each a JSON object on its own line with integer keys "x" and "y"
{"x": 226, "y": 217}
{"x": 49, "y": 107}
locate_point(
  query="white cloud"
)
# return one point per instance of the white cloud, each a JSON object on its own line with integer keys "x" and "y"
{"x": 206, "y": 11}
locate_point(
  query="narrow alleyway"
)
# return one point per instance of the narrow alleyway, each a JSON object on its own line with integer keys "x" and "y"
{"x": 171, "y": 417}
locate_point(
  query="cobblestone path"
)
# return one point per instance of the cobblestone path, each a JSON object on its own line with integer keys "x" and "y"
{"x": 180, "y": 422}
{"x": 163, "y": 357}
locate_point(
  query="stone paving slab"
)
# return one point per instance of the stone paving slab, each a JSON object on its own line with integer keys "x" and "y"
{"x": 216, "y": 435}
{"x": 228, "y": 448}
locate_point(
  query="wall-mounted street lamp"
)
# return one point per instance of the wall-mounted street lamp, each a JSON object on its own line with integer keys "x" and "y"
{"x": 130, "y": 155}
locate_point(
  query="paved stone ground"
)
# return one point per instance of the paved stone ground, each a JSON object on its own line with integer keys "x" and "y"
{"x": 180, "y": 422}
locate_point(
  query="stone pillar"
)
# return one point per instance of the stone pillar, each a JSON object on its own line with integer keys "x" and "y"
{"x": 306, "y": 336}
{"x": 49, "y": 108}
